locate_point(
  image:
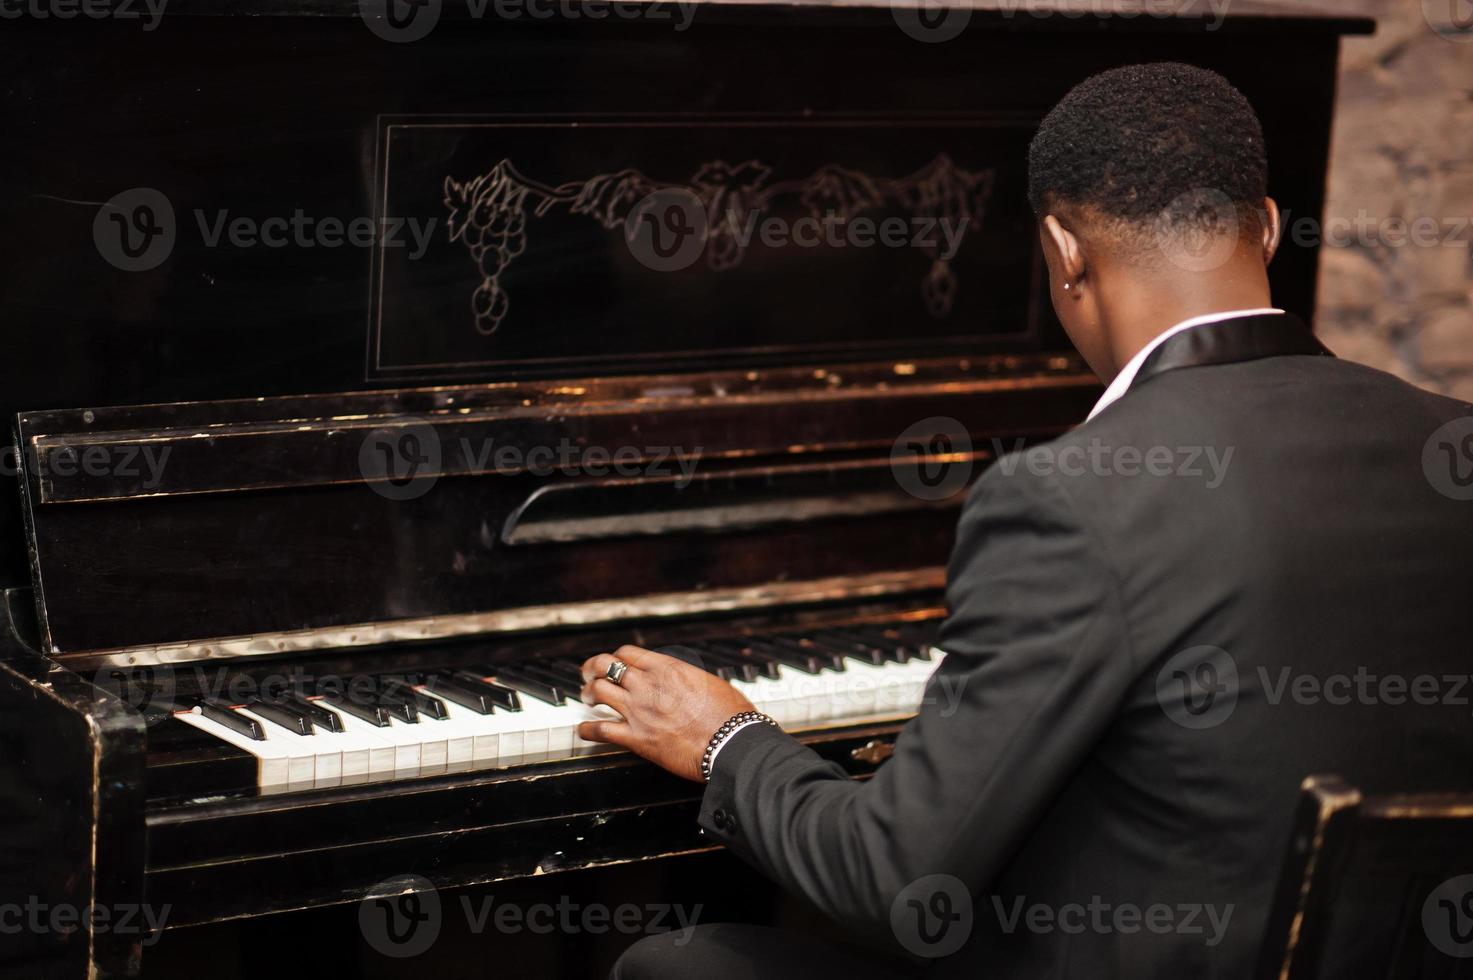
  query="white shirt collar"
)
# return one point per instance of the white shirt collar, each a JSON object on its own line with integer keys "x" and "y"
{"x": 1122, "y": 381}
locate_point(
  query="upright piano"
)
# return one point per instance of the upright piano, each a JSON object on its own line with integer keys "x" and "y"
{"x": 365, "y": 379}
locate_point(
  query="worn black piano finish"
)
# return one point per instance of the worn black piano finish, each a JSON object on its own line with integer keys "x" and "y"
{"x": 267, "y": 542}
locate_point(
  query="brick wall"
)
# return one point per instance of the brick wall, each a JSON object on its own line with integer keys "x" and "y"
{"x": 1403, "y": 149}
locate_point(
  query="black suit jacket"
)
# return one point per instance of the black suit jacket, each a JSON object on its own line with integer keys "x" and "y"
{"x": 1147, "y": 652}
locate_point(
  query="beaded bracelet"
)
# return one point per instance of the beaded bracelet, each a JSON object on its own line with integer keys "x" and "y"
{"x": 729, "y": 728}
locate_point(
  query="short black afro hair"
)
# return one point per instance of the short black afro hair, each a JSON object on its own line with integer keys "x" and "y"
{"x": 1137, "y": 142}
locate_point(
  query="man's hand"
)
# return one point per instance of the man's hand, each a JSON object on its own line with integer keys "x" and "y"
{"x": 670, "y": 708}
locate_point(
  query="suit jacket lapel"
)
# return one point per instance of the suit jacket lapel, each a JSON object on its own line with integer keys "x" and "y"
{"x": 1244, "y": 338}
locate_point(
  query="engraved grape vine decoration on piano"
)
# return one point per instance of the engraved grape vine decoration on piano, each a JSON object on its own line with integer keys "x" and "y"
{"x": 489, "y": 213}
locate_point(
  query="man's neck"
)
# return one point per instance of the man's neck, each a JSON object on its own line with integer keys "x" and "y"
{"x": 1141, "y": 315}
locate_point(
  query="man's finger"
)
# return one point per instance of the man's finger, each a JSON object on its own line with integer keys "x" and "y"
{"x": 605, "y": 691}
{"x": 610, "y": 732}
{"x": 638, "y": 656}
{"x": 598, "y": 666}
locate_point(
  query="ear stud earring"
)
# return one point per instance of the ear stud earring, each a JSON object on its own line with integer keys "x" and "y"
{"x": 1068, "y": 286}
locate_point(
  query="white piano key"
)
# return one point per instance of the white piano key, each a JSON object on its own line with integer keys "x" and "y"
{"x": 458, "y": 731}
{"x": 407, "y": 750}
{"x": 431, "y": 736}
{"x": 547, "y": 728}
{"x": 485, "y": 739}
{"x": 510, "y": 734}
{"x": 302, "y": 767}
{"x": 857, "y": 690}
{"x": 352, "y": 749}
{"x": 776, "y": 698}
{"x": 382, "y": 750}
{"x": 273, "y": 764}
{"x": 597, "y": 712}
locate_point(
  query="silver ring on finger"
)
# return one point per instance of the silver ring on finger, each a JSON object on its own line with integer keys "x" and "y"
{"x": 616, "y": 671}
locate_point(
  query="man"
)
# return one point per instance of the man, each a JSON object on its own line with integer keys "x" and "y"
{"x": 1250, "y": 565}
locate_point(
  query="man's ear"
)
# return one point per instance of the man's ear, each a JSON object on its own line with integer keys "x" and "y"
{"x": 1062, "y": 249}
{"x": 1273, "y": 229}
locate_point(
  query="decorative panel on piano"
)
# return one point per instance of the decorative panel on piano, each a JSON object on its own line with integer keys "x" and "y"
{"x": 700, "y": 241}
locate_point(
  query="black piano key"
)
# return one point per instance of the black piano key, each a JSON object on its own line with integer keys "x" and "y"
{"x": 287, "y": 717}
{"x": 522, "y": 683}
{"x": 427, "y": 706}
{"x": 398, "y": 707}
{"x": 567, "y": 687}
{"x": 827, "y": 657}
{"x": 738, "y": 650}
{"x": 321, "y": 717}
{"x": 741, "y": 669}
{"x": 921, "y": 637}
{"x": 701, "y": 659}
{"x": 504, "y": 698}
{"x": 569, "y": 673}
{"x": 460, "y": 692}
{"x": 373, "y": 713}
{"x": 760, "y": 650}
{"x": 786, "y": 655}
{"x": 224, "y": 713}
{"x": 865, "y": 653}
{"x": 893, "y": 647}
{"x": 912, "y": 641}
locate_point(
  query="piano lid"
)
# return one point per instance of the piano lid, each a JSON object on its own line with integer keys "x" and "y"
{"x": 195, "y": 530}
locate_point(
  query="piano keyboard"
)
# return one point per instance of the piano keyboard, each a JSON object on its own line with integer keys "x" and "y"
{"x": 456, "y": 720}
